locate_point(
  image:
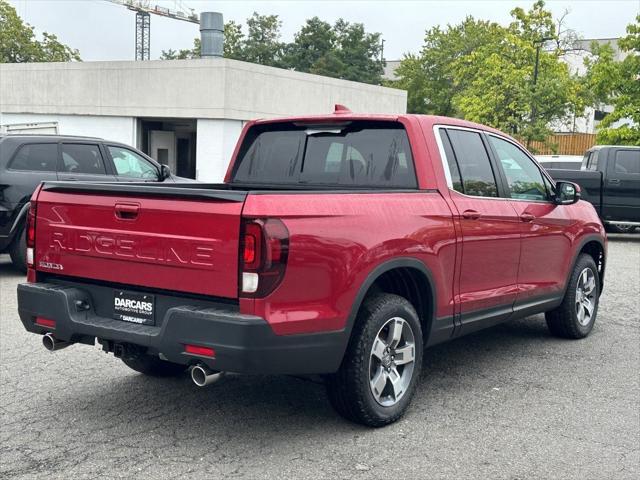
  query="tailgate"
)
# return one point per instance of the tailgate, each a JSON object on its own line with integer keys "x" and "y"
{"x": 179, "y": 241}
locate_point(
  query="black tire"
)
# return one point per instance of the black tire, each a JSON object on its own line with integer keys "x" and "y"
{"x": 153, "y": 366}
{"x": 620, "y": 228}
{"x": 563, "y": 321}
{"x": 18, "y": 251}
{"x": 349, "y": 389}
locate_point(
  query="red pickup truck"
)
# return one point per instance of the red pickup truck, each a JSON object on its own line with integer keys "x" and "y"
{"x": 341, "y": 245}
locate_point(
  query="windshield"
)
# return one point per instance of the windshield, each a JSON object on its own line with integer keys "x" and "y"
{"x": 358, "y": 154}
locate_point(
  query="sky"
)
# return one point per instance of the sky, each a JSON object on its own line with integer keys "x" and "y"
{"x": 105, "y": 31}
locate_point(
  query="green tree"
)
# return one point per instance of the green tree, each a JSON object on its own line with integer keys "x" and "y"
{"x": 182, "y": 54}
{"x": 343, "y": 50}
{"x": 617, "y": 83}
{"x": 262, "y": 44}
{"x": 18, "y": 42}
{"x": 233, "y": 40}
{"x": 315, "y": 41}
{"x": 484, "y": 72}
{"x": 232, "y": 47}
{"x": 359, "y": 53}
{"x": 432, "y": 77}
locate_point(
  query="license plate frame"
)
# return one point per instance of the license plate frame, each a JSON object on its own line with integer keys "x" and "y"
{"x": 134, "y": 307}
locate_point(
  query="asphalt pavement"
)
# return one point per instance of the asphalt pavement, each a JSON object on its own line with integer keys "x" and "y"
{"x": 510, "y": 402}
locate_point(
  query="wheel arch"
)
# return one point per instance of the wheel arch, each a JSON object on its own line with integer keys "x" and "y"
{"x": 594, "y": 246}
{"x": 19, "y": 221}
{"x": 401, "y": 276}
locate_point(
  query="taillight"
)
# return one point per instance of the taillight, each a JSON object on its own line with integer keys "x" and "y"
{"x": 264, "y": 249}
{"x": 252, "y": 242}
{"x": 31, "y": 233}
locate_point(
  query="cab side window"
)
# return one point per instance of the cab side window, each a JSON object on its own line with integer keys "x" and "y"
{"x": 524, "y": 178}
{"x": 474, "y": 175}
{"x": 82, "y": 158}
{"x": 627, "y": 161}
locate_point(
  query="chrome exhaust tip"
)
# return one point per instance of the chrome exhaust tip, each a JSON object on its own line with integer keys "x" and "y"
{"x": 203, "y": 375}
{"x": 52, "y": 344}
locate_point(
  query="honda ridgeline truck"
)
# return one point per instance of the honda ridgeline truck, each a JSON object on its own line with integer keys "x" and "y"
{"x": 341, "y": 245}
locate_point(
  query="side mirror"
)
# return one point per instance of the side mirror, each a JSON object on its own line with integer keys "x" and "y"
{"x": 165, "y": 172}
{"x": 567, "y": 193}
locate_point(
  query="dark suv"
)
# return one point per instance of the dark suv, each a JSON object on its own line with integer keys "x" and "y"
{"x": 27, "y": 160}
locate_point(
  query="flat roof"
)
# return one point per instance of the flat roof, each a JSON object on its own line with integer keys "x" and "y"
{"x": 200, "y": 88}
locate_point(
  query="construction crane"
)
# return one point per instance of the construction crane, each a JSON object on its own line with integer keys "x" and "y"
{"x": 144, "y": 9}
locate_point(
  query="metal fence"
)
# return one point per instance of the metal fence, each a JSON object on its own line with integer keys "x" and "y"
{"x": 564, "y": 144}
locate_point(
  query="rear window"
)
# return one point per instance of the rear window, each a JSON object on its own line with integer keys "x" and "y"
{"x": 36, "y": 157}
{"x": 355, "y": 154}
{"x": 562, "y": 165}
{"x": 590, "y": 161}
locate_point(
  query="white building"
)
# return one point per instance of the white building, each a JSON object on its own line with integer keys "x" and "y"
{"x": 187, "y": 114}
{"x": 588, "y": 122}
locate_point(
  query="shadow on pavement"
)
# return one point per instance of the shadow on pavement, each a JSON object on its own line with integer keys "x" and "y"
{"x": 623, "y": 237}
{"x": 7, "y": 270}
{"x": 253, "y": 406}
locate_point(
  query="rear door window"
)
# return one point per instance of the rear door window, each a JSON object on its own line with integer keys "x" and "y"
{"x": 627, "y": 161}
{"x": 473, "y": 162}
{"x": 81, "y": 158}
{"x": 36, "y": 157}
{"x": 358, "y": 154}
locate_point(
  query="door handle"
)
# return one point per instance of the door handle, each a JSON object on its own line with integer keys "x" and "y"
{"x": 615, "y": 181}
{"x": 126, "y": 211}
{"x": 527, "y": 217}
{"x": 471, "y": 214}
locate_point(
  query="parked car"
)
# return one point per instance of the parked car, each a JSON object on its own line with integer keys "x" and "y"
{"x": 566, "y": 162}
{"x": 609, "y": 178}
{"x": 341, "y": 245}
{"x": 26, "y": 160}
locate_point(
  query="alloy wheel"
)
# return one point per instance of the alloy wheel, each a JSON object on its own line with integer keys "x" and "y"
{"x": 392, "y": 361}
{"x": 586, "y": 296}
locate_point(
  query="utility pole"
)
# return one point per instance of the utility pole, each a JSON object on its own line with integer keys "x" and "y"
{"x": 382, "y": 53}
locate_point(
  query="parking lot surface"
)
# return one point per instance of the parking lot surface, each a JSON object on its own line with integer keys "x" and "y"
{"x": 509, "y": 402}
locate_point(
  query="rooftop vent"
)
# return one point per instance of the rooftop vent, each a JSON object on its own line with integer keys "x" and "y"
{"x": 211, "y": 34}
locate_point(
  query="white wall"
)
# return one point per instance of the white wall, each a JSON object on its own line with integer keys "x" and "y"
{"x": 200, "y": 88}
{"x": 216, "y": 140}
{"x": 118, "y": 129}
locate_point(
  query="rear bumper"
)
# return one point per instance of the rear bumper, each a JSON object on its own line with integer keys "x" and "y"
{"x": 242, "y": 343}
